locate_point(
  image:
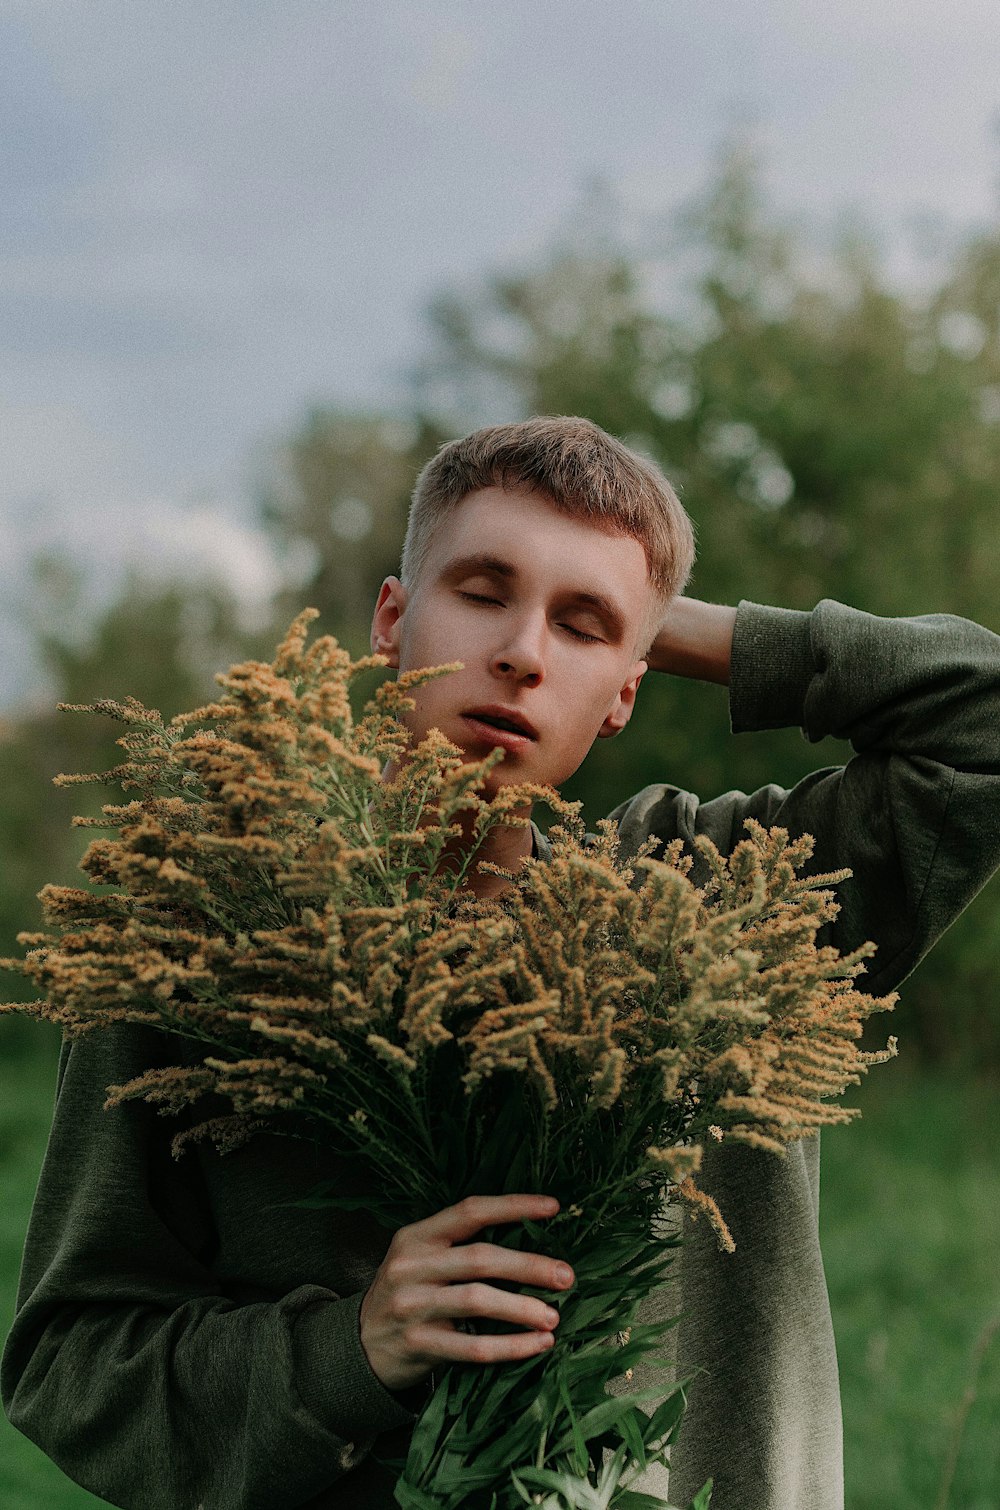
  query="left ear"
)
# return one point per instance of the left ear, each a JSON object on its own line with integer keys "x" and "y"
{"x": 621, "y": 710}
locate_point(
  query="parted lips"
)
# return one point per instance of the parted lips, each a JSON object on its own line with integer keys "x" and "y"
{"x": 504, "y": 718}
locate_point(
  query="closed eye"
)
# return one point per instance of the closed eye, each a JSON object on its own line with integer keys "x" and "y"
{"x": 591, "y": 639}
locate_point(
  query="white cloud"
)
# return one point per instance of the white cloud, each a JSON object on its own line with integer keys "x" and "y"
{"x": 206, "y": 541}
{"x": 48, "y": 446}
{"x": 71, "y": 489}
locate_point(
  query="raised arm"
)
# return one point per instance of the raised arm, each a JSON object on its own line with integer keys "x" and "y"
{"x": 915, "y": 813}
{"x": 695, "y": 639}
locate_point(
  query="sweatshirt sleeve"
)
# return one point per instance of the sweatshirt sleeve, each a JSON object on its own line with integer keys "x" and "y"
{"x": 915, "y": 811}
{"x": 140, "y": 1371}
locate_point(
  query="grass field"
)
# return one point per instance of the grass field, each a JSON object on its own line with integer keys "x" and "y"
{"x": 910, "y": 1222}
{"x": 911, "y": 1235}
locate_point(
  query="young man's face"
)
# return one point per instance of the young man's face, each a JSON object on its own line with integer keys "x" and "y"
{"x": 523, "y": 649}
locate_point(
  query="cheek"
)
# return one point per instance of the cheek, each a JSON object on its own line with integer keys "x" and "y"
{"x": 450, "y": 632}
{"x": 581, "y": 719}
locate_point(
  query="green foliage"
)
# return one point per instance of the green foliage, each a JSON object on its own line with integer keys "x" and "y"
{"x": 910, "y": 1223}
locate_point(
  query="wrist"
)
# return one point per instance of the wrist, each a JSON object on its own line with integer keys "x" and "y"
{"x": 695, "y": 639}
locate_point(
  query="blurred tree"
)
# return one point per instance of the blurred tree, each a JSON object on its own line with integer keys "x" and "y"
{"x": 336, "y": 500}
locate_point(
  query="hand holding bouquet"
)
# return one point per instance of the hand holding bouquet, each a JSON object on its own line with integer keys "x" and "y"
{"x": 268, "y": 897}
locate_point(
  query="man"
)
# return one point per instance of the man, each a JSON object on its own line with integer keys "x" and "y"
{"x": 180, "y": 1341}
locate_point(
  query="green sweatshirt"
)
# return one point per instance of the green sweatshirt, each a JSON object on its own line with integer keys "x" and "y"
{"x": 184, "y": 1340}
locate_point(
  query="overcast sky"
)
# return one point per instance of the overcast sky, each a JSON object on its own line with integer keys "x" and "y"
{"x": 214, "y": 214}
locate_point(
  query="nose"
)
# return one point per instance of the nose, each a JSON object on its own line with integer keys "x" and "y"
{"x": 520, "y": 655}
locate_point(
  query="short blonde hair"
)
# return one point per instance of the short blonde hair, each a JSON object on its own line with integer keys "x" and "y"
{"x": 583, "y": 471}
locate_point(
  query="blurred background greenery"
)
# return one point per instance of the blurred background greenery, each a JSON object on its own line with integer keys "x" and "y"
{"x": 832, "y": 436}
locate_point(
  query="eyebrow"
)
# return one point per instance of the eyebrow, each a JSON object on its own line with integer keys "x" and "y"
{"x": 495, "y": 566}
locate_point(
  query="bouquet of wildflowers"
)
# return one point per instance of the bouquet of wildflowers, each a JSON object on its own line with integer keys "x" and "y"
{"x": 268, "y": 897}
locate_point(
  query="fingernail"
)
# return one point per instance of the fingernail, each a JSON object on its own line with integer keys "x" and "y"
{"x": 564, "y": 1275}
{"x": 551, "y": 1317}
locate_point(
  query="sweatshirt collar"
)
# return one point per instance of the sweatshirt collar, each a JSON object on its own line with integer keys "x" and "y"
{"x": 541, "y": 849}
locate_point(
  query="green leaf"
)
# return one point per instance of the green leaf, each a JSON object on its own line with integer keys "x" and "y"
{"x": 633, "y": 1437}
{"x": 581, "y": 1457}
{"x": 611, "y": 1471}
{"x": 651, "y": 1333}
{"x": 517, "y": 1444}
{"x": 664, "y": 1421}
{"x": 633, "y": 1499}
{"x": 411, "y": 1498}
{"x": 608, "y": 1413}
{"x": 384, "y": 1211}
{"x": 427, "y": 1430}
{"x": 462, "y": 1382}
{"x": 578, "y": 1493}
{"x": 703, "y": 1498}
{"x": 584, "y": 1312}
